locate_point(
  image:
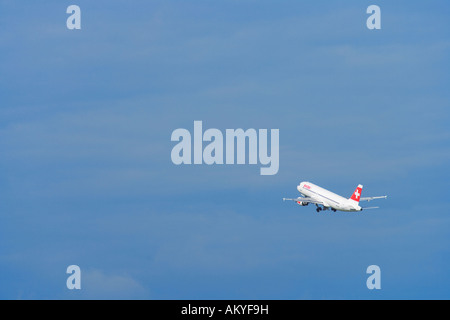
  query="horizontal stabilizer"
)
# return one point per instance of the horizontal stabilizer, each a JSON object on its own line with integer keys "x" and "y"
{"x": 372, "y": 198}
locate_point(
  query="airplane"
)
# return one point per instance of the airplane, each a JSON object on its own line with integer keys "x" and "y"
{"x": 324, "y": 199}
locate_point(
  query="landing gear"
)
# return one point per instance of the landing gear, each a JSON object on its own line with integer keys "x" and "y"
{"x": 318, "y": 209}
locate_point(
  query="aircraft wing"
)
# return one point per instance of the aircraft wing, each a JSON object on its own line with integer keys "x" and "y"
{"x": 304, "y": 200}
{"x": 371, "y": 198}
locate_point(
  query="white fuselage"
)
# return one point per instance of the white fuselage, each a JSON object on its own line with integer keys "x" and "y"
{"x": 330, "y": 199}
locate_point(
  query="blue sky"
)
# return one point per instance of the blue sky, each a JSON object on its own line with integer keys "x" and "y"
{"x": 86, "y": 176}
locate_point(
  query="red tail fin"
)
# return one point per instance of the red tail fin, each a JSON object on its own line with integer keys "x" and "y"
{"x": 357, "y": 194}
